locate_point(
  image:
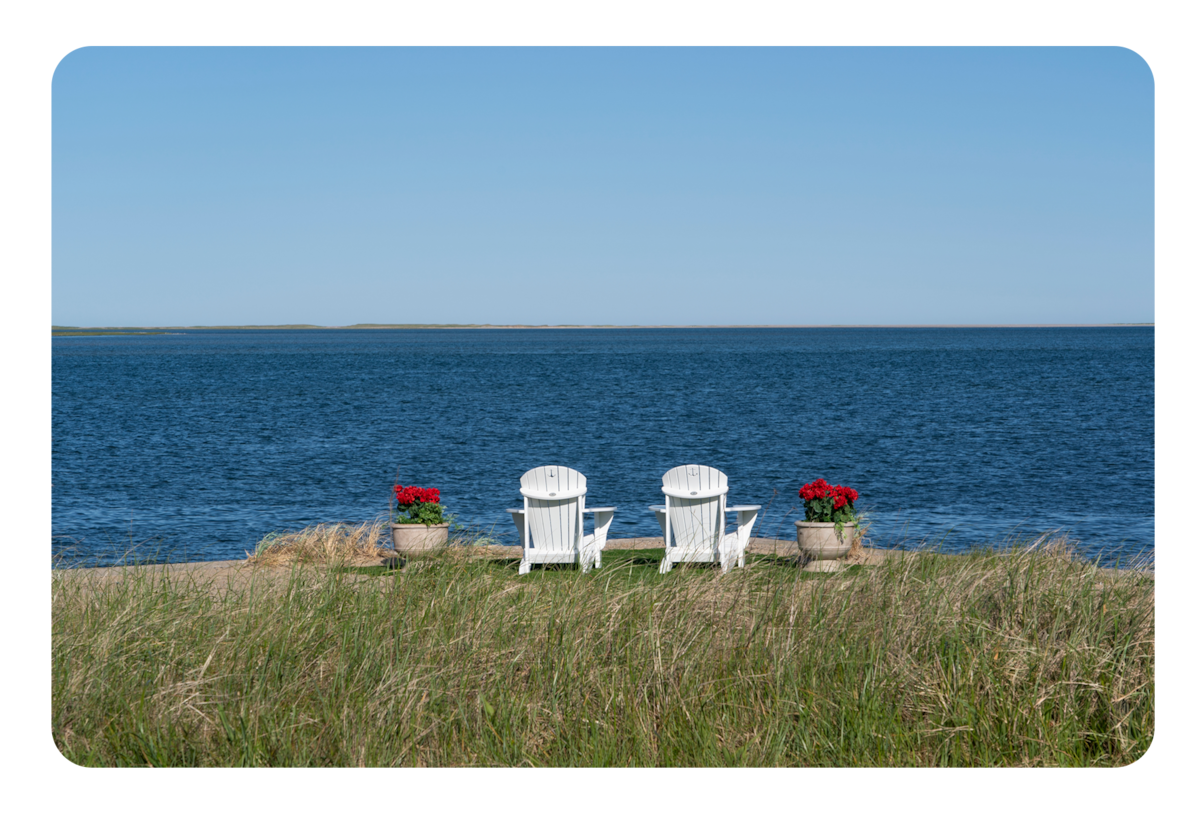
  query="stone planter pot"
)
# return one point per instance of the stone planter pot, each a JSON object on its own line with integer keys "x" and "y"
{"x": 822, "y": 546}
{"x": 417, "y": 538}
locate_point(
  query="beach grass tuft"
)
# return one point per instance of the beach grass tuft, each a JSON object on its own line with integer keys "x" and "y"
{"x": 337, "y": 544}
{"x": 1026, "y": 657}
{"x": 326, "y": 543}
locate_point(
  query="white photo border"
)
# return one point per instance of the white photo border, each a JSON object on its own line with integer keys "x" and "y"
{"x": 23, "y": 326}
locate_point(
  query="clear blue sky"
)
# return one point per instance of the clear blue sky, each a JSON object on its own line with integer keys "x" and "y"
{"x": 209, "y": 186}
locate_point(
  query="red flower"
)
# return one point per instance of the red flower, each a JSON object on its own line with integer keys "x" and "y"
{"x": 816, "y": 490}
{"x": 407, "y": 495}
{"x": 826, "y": 503}
{"x": 843, "y": 495}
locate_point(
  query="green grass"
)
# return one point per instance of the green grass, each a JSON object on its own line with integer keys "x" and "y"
{"x": 624, "y": 567}
{"x": 1033, "y": 658}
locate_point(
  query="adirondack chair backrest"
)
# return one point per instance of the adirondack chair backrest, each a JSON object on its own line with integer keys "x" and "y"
{"x": 554, "y": 497}
{"x": 696, "y": 505}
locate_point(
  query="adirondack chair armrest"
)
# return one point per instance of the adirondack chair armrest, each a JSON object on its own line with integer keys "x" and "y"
{"x": 746, "y": 515}
{"x": 733, "y": 546}
{"x": 518, "y": 518}
{"x": 660, "y": 514}
{"x": 600, "y": 522}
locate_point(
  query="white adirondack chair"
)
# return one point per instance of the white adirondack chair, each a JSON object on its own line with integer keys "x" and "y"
{"x": 551, "y": 523}
{"x": 693, "y": 519}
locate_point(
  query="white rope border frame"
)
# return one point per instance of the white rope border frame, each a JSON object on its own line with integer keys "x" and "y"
{"x": 586, "y": 16}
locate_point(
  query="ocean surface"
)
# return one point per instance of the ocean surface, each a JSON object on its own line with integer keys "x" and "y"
{"x": 194, "y": 445}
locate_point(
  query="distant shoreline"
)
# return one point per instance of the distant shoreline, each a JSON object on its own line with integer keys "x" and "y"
{"x": 74, "y": 331}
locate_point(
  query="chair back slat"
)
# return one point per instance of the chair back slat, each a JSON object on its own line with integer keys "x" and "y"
{"x": 695, "y": 523}
{"x": 553, "y": 524}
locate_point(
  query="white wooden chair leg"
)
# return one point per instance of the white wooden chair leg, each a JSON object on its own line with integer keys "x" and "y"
{"x": 726, "y": 555}
{"x": 524, "y": 568}
{"x": 587, "y": 554}
{"x": 746, "y": 519}
{"x": 665, "y": 567}
{"x": 601, "y": 520}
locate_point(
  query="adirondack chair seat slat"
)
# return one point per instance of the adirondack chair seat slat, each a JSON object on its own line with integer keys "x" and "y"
{"x": 551, "y": 523}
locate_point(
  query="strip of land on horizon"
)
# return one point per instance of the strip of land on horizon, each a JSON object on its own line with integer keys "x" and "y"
{"x": 64, "y": 329}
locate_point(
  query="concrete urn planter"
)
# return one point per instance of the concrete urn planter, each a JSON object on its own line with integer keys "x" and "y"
{"x": 416, "y": 537}
{"x": 822, "y": 546}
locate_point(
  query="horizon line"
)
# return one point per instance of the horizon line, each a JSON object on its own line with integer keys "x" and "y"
{"x": 471, "y": 326}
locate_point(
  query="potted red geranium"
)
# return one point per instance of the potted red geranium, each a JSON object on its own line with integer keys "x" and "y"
{"x": 830, "y": 524}
{"x": 417, "y": 519}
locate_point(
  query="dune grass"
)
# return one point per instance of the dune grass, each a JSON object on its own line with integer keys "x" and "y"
{"x": 327, "y": 543}
{"x": 1030, "y": 658}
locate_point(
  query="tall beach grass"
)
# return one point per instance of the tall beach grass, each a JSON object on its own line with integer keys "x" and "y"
{"x": 1030, "y": 657}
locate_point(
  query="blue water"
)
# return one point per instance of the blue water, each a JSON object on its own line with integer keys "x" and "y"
{"x": 194, "y": 446}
